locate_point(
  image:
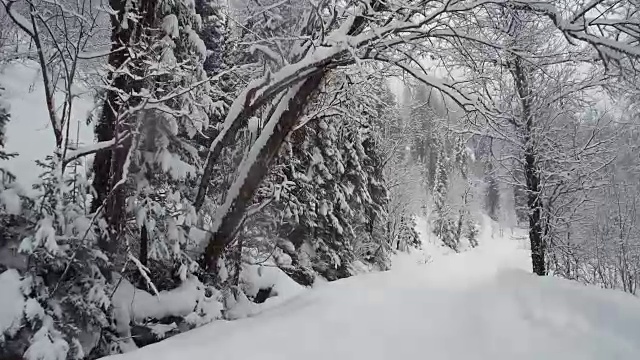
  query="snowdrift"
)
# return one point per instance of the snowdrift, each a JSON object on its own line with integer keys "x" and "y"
{"x": 481, "y": 304}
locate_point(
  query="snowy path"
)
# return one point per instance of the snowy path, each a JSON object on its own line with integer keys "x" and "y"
{"x": 480, "y": 304}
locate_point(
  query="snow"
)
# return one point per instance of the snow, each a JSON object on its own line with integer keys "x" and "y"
{"x": 29, "y": 131}
{"x": 253, "y": 278}
{"x": 480, "y": 304}
{"x": 46, "y": 236}
{"x": 138, "y": 305}
{"x": 160, "y": 330}
{"x": 11, "y": 201}
{"x": 188, "y": 300}
{"x": 19, "y": 19}
{"x": 33, "y": 310}
{"x": 258, "y": 277}
{"x": 196, "y": 42}
{"x": 11, "y": 303}
{"x": 47, "y": 344}
{"x": 89, "y": 149}
{"x": 170, "y": 26}
{"x": 270, "y": 54}
{"x": 253, "y": 125}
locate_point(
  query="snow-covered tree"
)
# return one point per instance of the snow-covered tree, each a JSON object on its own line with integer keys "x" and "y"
{"x": 213, "y": 32}
{"x": 492, "y": 197}
{"x": 330, "y": 186}
{"x": 535, "y": 115}
{"x": 443, "y": 222}
{"x": 219, "y": 123}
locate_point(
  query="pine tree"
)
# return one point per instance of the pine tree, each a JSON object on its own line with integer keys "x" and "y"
{"x": 492, "y": 197}
{"x": 443, "y": 224}
{"x": 425, "y": 111}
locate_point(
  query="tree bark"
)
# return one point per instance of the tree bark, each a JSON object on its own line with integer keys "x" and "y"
{"x": 232, "y": 219}
{"x": 534, "y": 203}
{"x": 106, "y": 160}
{"x": 144, "y": 246}
{"x": 531, "y": 171}
{"x": 108, "y": 164}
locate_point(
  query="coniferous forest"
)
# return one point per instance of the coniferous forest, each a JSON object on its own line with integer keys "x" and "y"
{"x": 166, "y": 164}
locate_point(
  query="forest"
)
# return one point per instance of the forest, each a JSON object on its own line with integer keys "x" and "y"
{"x": 196, "y": 157}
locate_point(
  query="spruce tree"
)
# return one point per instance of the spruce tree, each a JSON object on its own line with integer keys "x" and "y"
{"x": 492, "y": 196}
{"x": 443, "y": 224}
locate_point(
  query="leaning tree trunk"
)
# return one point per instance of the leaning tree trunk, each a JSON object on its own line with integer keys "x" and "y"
{"x": 232, "y": 219}
{"x": 250, "y": 178}
{"x": 531, "y": 171}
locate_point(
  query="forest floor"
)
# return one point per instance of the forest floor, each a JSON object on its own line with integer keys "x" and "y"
{"x": 480, "y": 304}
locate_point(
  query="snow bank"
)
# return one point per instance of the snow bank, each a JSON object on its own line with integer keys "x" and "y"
{"x": 11, "y": 303}
{"x": 255, "y": 278}
{"x": 613, "y": 317}
{"x": 480, "y": 304}
{"x": 137, "y": 305}
{"x": 190, "y": 300}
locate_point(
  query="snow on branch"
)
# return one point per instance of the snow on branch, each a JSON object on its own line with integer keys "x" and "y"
{"x": 18, "y": 19}
{"x": 579, "y": 26}
{"x": 465, "y": 101}
{"x": 93, "y": 148}
{"x": 341, "y": 45}
{"x": 267, "y": 52}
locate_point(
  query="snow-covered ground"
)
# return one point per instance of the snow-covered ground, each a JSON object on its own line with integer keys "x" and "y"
{"x": 481, "y": 304}
{"x": 29, "y": 132}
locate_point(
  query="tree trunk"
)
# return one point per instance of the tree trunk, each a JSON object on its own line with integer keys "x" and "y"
{"x": 459, "y": 227}
{"x": 144, "y": 246}
{"x": 531, "y": 171}
{"x": 535, "y": 216}
{"x": 232, "y": 219}
{"x": 109, "y": 164}
{"x": 249, "y": 109}
{"x": 106, "y": 160}
{"x": 297, "y": 103}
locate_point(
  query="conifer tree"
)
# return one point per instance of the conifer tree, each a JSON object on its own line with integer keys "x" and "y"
{"x": 443, "y": 224}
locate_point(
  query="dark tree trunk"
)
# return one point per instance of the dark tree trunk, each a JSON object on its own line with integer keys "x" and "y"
{"x": 257, "y": 171}
{"x": 531, "y": 171}
{"x": 144, "y": 246}
{"x": 108, "y": 165}
{"x": 105, "y": 167}
{"x": 535, "y": 215}
{"x": 492, "y": 197}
